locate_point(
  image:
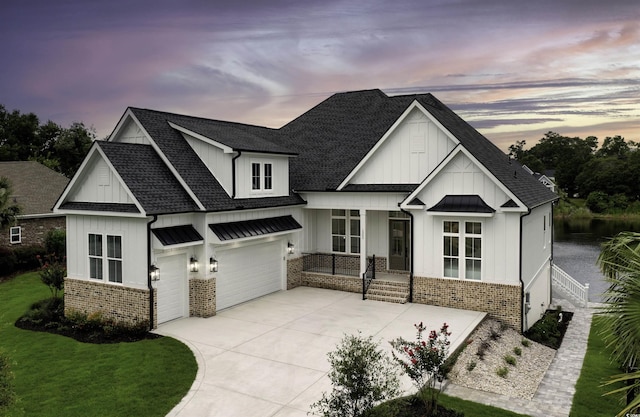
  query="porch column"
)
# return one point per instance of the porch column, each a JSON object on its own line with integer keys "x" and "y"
{"x": 363, "y": 241}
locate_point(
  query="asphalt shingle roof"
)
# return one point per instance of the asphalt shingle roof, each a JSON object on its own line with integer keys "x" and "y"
{"x": 148, "y": 178}
{"x": 35, "y": 187}
{"x": 193, "y": 170}
{"x": 329, "y": 140}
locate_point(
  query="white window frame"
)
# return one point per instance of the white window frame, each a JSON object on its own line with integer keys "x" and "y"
{"x": 261, "y": 177}
{"x": 352, "y": 231}
{"x": 108, "y": 262}
{"x": 462, "y": 257}
{"x": 15, "y": 231}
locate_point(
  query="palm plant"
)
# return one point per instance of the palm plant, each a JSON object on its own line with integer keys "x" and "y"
{"x": 620, "y": 263}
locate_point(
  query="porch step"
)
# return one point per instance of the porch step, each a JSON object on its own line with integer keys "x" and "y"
{"x": 389, "y": 291}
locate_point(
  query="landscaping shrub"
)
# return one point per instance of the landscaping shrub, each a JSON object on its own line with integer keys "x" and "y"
{"x": 7, "y": 394}
{"x": 517, "y": 351}
{"x": 510, "y": 360}
{"x": 8, "y": 262}
{"x": 56, "y": 243}
{"x": 483, "y": 347}
{"x": 48, "y": 315}
{"x": 423, "y": 361}
{"x": 471, "y": 365}
{"x": 52, "y": 274}
{"x": 361, "y": 375}
{"x": 550, "y": 329}
{"x": 525, "y": 342}
{"x": 502, "y": 372}
{"x": 598, "y": 202}
{"x": 27, "y": 257}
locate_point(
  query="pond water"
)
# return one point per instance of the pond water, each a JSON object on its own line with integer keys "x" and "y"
{"x": 577, "y": 246}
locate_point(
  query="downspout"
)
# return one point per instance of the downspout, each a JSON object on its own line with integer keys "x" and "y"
{"x": 523, "y": 314}
{"x": 233, "y": 174}
{"x": 149, "y": 284}
{"x": 410, "y": 255}
{"x": 552, "y": 227}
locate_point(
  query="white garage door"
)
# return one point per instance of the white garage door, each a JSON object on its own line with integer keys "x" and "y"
{"x": 248, "y": 272}
{"x": 171, "y": 287}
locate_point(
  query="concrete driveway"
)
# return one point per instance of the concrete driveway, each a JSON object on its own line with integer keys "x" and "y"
{"x": 268, "y": 357}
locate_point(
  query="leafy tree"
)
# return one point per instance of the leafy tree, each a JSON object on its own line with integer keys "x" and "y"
{"x": 72, "y": 146}
{"x": 620, "y": 262}
{"x": 361, "y": 376}
{"x": 18, "y": 135}
{"x": 608, "y": 175}
{"x": 614, "y": 147}
{"x": 8, "y": 210}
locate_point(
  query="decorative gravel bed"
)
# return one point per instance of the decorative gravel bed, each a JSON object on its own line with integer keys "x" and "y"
{"x": 520, "y": 380}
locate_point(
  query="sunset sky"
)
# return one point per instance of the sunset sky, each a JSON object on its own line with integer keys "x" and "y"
{"x": 513, "y": 69}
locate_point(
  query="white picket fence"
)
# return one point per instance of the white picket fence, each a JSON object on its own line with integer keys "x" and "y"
{"x": 564, "y": 282}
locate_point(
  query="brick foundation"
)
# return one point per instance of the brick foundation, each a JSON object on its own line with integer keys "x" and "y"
{"x": 123, "y": 304}
{"x": 331, "y": 282}
{"x": 202, "y": 297}
{"x": 294, "y": 272}
{"x": 500, "y": 301}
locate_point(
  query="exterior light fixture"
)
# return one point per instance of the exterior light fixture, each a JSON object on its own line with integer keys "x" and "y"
{"x": 213, "y": 265}
{"x": 193, "y": 264}
{"x": 154, "y": 272}
{"x": 290, "y": 248}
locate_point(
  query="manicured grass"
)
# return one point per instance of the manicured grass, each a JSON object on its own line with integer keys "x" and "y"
{"x": 468, "y": 408}
{"x": 596, "y": 369}
{"x": 58, "y": 376}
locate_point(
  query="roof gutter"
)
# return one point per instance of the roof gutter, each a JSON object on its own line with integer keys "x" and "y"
{"x": 149, "y": 284}
{"x": 233, "y": 174}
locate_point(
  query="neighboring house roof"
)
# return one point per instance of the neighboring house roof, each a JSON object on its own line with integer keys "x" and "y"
{"x": 35, "y": 187}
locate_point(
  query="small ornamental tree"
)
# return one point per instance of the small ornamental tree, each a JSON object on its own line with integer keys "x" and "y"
{"x": 52, "y": 273}
{"x": 361, "y": 375}
{"x": 423, "y": 361}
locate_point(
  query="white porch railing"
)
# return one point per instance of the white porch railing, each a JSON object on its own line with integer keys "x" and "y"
{"x": 569, "y": 285}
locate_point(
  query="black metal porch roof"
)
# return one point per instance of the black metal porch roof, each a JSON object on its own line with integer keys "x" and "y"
{"x": 255, "y": 227}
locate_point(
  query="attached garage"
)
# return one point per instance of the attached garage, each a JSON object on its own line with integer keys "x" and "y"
{"x": 172, "y": 288}
{"x": 248, "y": 272}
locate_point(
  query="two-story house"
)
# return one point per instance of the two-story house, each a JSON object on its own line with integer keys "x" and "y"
{"x": 178, "y": 216}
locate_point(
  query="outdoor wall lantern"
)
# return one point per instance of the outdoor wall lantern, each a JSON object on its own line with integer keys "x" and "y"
{"x": 193, "y": 264}
{"x": 154, "y": 272}
{"x": 213, "y": 265}
{"x": 290, "y": 248}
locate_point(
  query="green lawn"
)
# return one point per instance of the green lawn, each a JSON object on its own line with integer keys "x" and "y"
{"x": 589, "y": 400}
{"x": 58, "y": 376}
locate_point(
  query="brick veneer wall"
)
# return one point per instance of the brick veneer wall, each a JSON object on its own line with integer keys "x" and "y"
{"x": 34, "y": 231}
{"x": 332, "y": 282}
{"x": 294, "y": 272}
{"x": 123, "y": 304}
{"x": 500, "y": 301}
{"x": 202, "y": 297}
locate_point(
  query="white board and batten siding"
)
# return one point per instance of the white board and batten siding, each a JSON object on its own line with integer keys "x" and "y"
{"x": 99, "y": 184}
{"x": 411, "y": 151}
{"x": 131, "y": 132}
{"x": 280, "y": 175}
{"x": 134, "y": 246}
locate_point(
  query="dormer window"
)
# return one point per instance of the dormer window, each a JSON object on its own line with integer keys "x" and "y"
{"x": 261, "y": 176}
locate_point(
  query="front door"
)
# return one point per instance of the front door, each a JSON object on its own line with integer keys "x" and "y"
{"x": 399, "y": 244}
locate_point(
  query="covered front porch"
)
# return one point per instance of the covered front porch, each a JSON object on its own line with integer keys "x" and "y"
{"x": 342, "y": 272}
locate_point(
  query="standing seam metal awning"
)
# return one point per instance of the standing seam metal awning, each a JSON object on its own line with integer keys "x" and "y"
{"x": 176, "y": 235}
{"x": 253, "y": 228}
{"x": 462, "y": 204}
